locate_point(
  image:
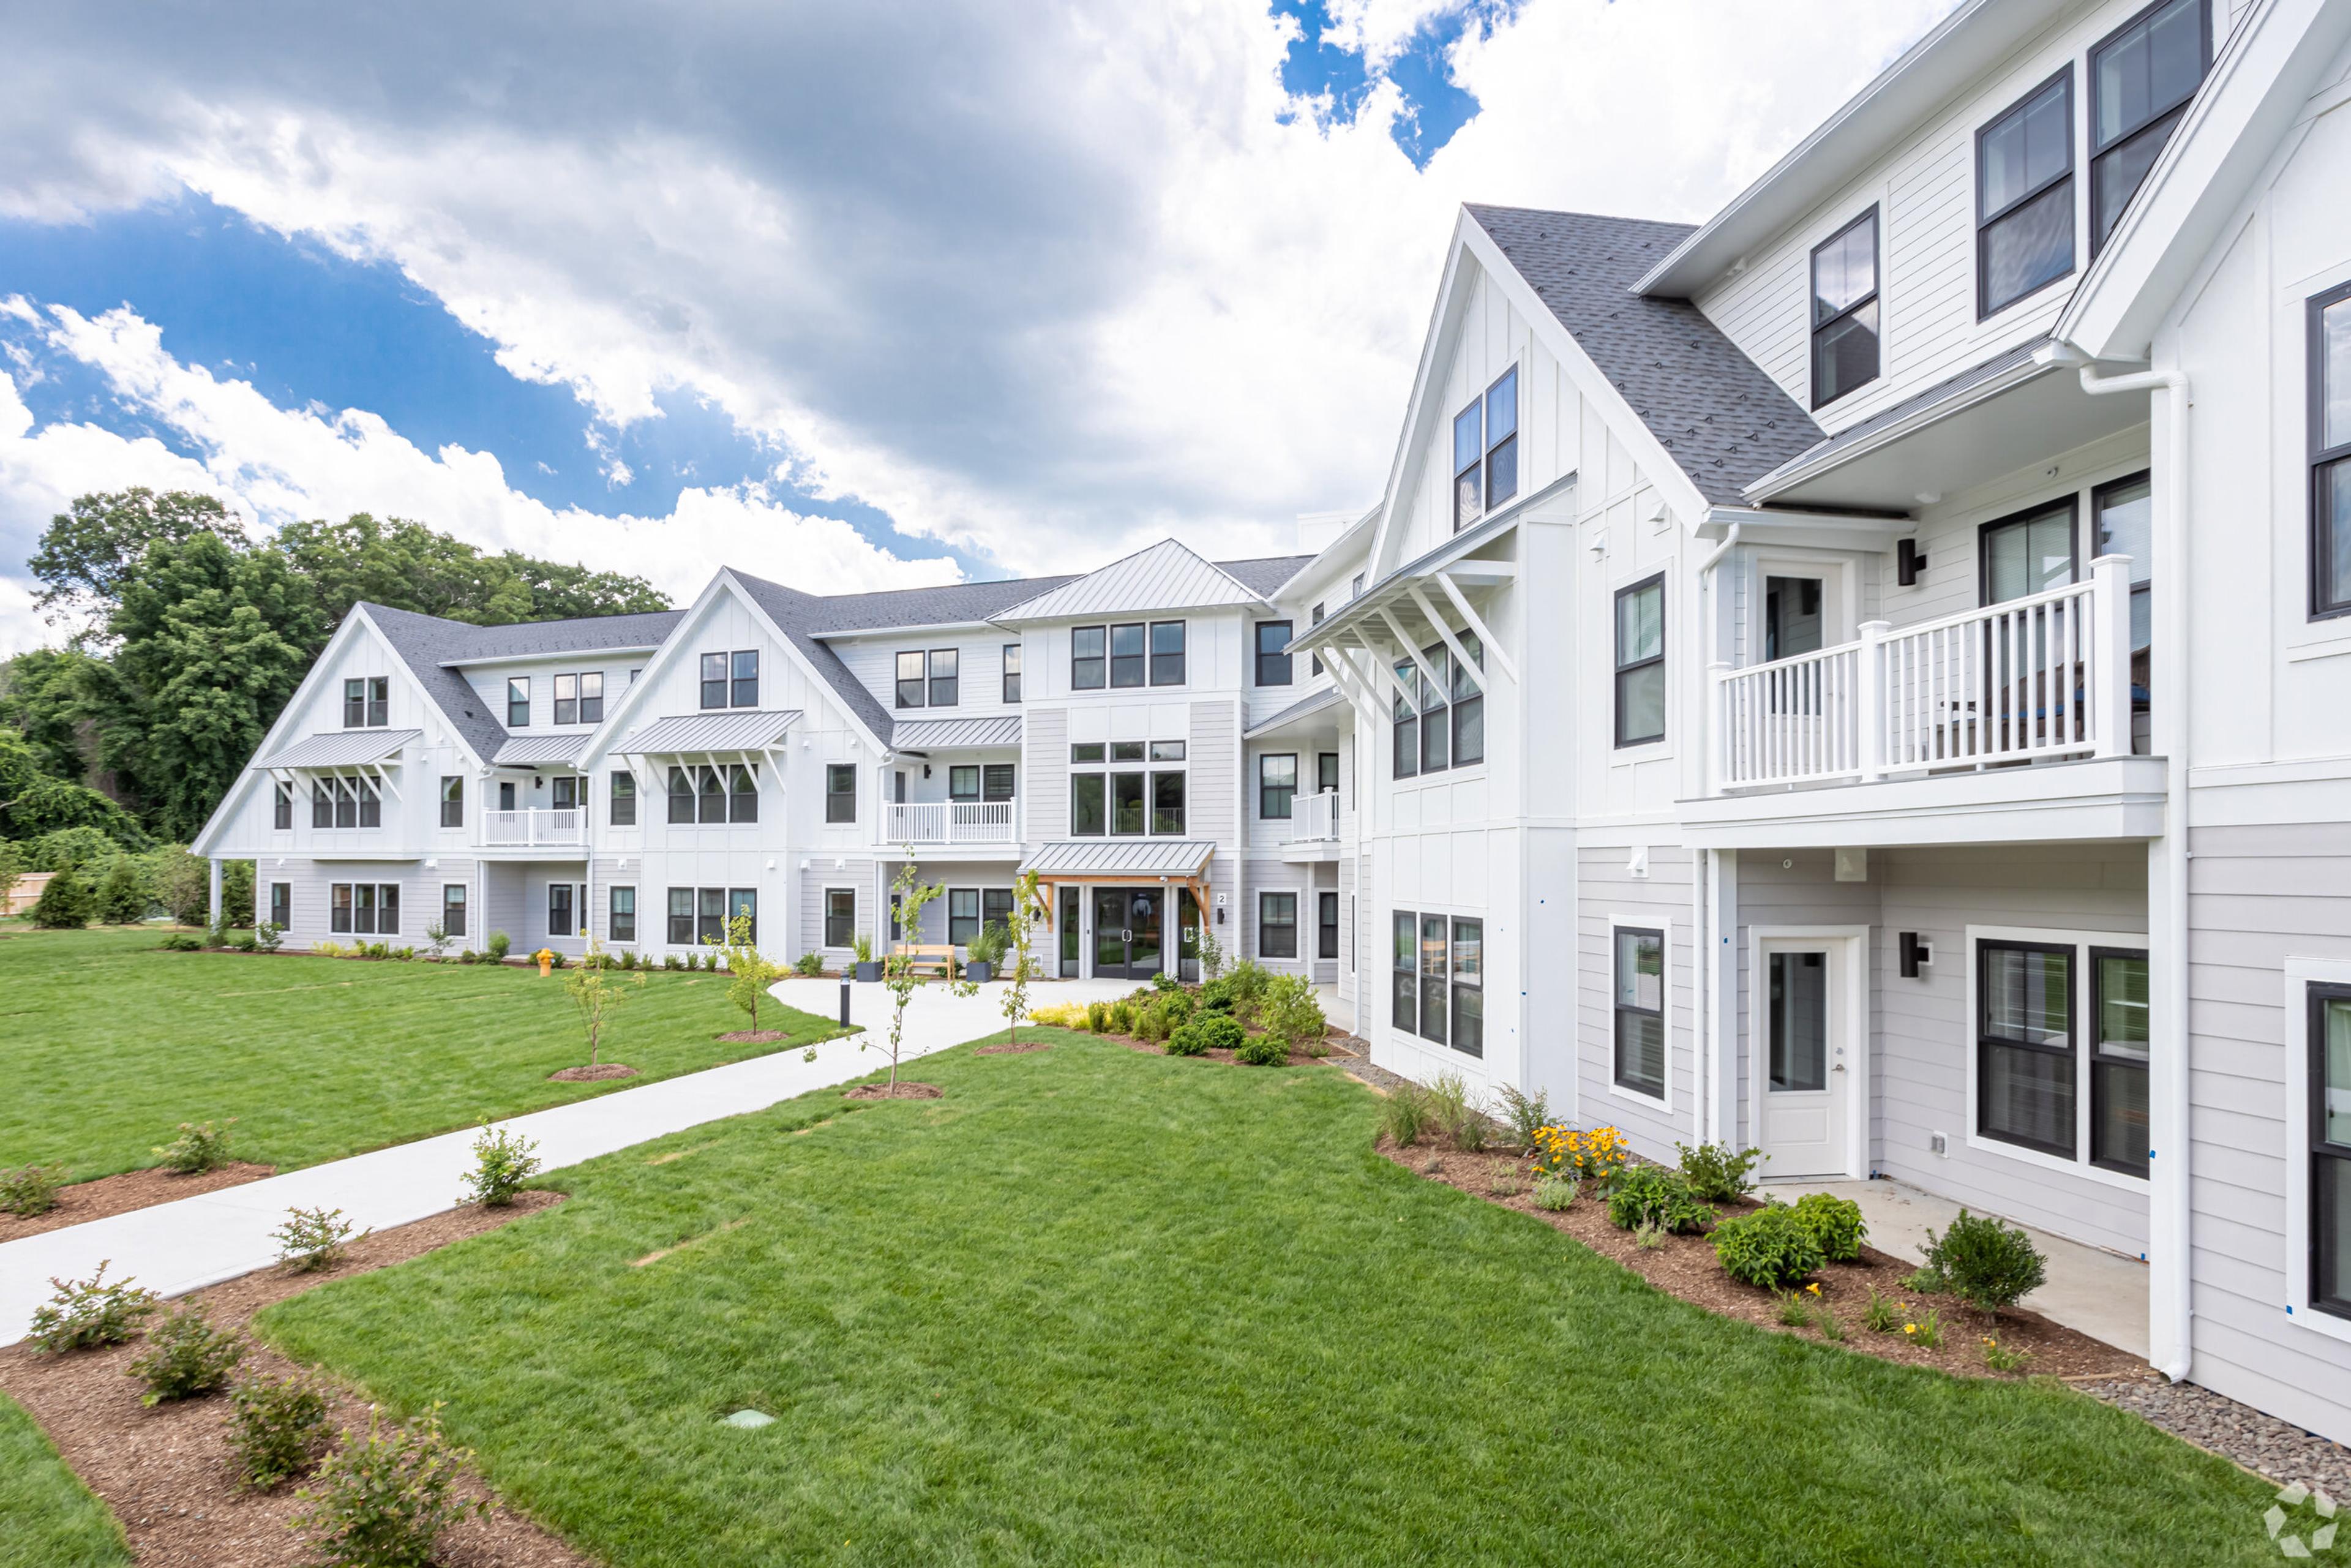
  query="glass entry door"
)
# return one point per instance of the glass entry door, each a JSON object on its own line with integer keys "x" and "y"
{"x": 1126, "y": 933}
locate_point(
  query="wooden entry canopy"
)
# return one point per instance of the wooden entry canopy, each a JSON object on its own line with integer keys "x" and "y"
{"x": 1123, "y": 863}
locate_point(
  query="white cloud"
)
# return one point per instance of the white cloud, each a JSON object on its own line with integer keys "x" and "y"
{"x": 272, "y": 464}
{"x": 1037, "y": 282}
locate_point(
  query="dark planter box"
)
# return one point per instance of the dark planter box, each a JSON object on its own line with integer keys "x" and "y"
{"x": 979, "y": 972}
{"x": 869, "y": 971}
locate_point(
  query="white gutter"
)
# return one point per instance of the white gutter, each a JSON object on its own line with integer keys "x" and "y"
{"x": 2172, "y": 1298}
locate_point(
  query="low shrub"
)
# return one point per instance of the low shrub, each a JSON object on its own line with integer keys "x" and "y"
{"x": 469, "y": 957}
{"x": 275, "y": 1428}
{"x": 628, "y": 958}
{"x": 1987, "y": 1264}
{"x": 1554, "y": 1193}
{"x": 1649, "y": 1238}
{"x": 1718, "y": 1173}
{"x": 503, "y": 1161}
{"x": 1289, "y": 1011}
{"x": 1098, "y": 1017}
{"x": 1405, "y": 1114}
{"x": 384, "y": 1500}
{"x": 672, "y": 961}
{"x": 1835, "y": 1223}
{"x": 248, "y": 942}
{"x": 268, "y": 936}
{"x": 1593, "y": 1156}
{"x": 1217, "y": 996}
{"x": 181, "y": 942}
{"x": 27, "y": 1190}
{"x": 200, "y": 1147}
{"x": 85, "y": 1313}
{"x": 1162, "y": 981}
{"x": 709, "y": 962}
{"x": 65, "y": 905}
{"x": 498, "y": 946}
{"x": 1455, "y": 1106}
{"x": 405, "y": 955}
{"x": 186, "y": 1355}
{"x": 809, "y": 964}
{"x": 557, "y": 961}
{"x": 1207, "y": 1032}
{"x": 1059, "y": 1015}
{"x": 327, "y": 949}
{"x": 1524, "y": 1114}
{"x": 1652, "y": 1195}
{"x": 1247, "y": 983}
{"x": 1767, "y": 1247}
{"x": 1262, "y": 1050}
{"x": 1507, "y": 1185}
{"x": 1122, "y": 1017}
{"x": 311, "y": 1240}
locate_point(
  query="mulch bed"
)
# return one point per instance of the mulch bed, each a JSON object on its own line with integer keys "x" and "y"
{"x": 596, "y": 1074}
{"x": 901, "y": 1090}
{"x": 1685, "y": 1267}
{"x": 754, "y": 1037}
{"x": 87, "y": 1200}
{"x": 166, "y": 1472}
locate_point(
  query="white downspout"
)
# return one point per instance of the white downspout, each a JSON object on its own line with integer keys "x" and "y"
{"x": 2172, "y": 1293}
{"x": 1705, "y": 940}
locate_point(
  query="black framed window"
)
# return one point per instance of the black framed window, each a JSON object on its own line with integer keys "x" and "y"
{"x": 355, "y": 703}
{"x": 743, "y": 904}
{"x": 346, "y": 804}
{"x": 743, "y": 799}
{"x": 1277, "y": 787}
{"x": 1088, "y": 662}
{"x": 323, "y": 803}
{"x": 1326, "y": 924}
{"x": 681, "y": 795}
{"x": 1469, "y": 454}
{"x": 2330, "y": 1148}
{"x": 712, "y": 789}
{"x": 1502, "y": 439}
{"x": 453, "y": 800}
{"x": 2119, "y": 1038}
{"x": 963, "y": 781}
{"x": 1404, "y": 723}
{"x": 2141, "y": 77}
{"x": 281, "y": 808}
{"x": 1326, "y": 772}
{"x": 914, "y": 679}
{"x": 1844, "y": 310}
{"x": 997, "y": 781}
{"x": 1404, "y": 978}
{"x": 567, "y": 792}
{"x": 1168, "y": 803}
{"x": 1640, "y": 663}
{"x": 2024, "y": 1045}
{"x": 840, "y": 917}
{"x": 338, "y": 908}
{"x": 559, "y": 908}
{"x": 591, "y": 697}
{"x": 1089, "y": 805}
{"x": 1469, "y": 984}
{"x": 453, "y": 909}
{"x": 621, "y": 791}
{"x": 371, "y": 805}
{"x": 2330, "y": 453}
{"x": 387, "y": 909}
{"x": 840, "y": 792}
{"x": 1168, "y": 653}
{"x": 1314, "y": 661}
{"x": 1012, "y": 672}
{"x": 1435, "y": 730}
{"x": 1126, "y": 655}
{"x": 1272, "y": 662}
{"x": 746, "y": 678}
{"x": 2122, "y": 514}
{"x": 681, "y": 918}
{"x": 995, "y": 907}
{"x": 1432, "y": 972}
{"x": 363, "y": 908}
{"x": 714, "y": 680}
{"x": 1276, "y": 926}
{"x": 281, "y": 906}
{"x": 566, "y": 699}
{"x": 379, "y": 702}
{"x": 1126, "y": 752}
{"x": 2027, "y": 553}
{"x": 1639, "y": 977}
{"x": 963, "y": 915}
{"x": 946, "y": 677}
{"x": 1166, "y": 751}
{"x": 517, "y": 702}
{"x": 1127, "y": 817}
{"x": 710, "y": 915}
{"x": 1468, "y": 708}
{"x": 621, "y": 913}
{"x": 2024, "y": 196}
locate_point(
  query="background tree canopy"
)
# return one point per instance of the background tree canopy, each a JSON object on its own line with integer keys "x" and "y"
{"x": 184, "y": 638}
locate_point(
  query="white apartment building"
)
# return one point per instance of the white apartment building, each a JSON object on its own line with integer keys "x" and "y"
{"x": 1867, "y": 676}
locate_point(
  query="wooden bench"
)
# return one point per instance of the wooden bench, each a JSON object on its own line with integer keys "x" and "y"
{"x": 934, "y": 954}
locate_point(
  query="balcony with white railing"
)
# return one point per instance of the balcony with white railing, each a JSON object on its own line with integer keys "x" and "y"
{"x": 1313, "y": 827}
{"x": 980, "y": 822}
{"x": 2043, "y": 679}
{"x": 564, "y": 829}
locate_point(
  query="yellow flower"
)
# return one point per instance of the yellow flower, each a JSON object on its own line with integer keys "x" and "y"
{"x": 1815, "y": 1288}
{"x": 1909, "y": 1328}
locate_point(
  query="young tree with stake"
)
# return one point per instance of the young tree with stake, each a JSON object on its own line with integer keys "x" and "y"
{"x": 898, "y": 969}
{"x": 749, "y": 974}
{"x": 597, "y": 997}
{"x": 1028, "y": 908}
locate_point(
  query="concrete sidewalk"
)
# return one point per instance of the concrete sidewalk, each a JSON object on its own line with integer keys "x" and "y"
{"x": 174, "y": 1248}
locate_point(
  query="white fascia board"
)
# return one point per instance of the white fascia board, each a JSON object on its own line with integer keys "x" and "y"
{"x": 355, "y": 624}
{"x": 906, "y": 630}
{"x": 2259, "y": 90}
{"x": 1348, "y": 545}
{"x": 551, "y": 653}
{"x": 1827, "y": 531}
{"x": 1444, "y": 327}
{"x": 1680, "y": 493}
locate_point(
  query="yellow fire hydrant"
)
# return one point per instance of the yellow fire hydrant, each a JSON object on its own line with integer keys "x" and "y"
{"x": 545, "y": 957}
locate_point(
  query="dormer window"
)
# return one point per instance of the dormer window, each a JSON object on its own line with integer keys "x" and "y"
{"x": 1485, "y": 451}
{"x": 367, "y": 703}
{"x": 2024, "y": 196}
{"x": 1844, "y": 310}
{"x": 2141, "y": 78}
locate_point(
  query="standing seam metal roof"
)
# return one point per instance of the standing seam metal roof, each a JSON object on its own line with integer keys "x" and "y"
{"x": 1723, "y": 421}
{"x": 697, "y": 732}
{"x": 1122, "y": 857}
{"x": 339, "y": 748}
{"x": 939, "y": 734}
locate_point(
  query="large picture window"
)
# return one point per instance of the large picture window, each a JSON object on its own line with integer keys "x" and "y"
{"x": 2024, "y": 1045}
{"x": 2330, "y": 1149}
{"x": 2119, "y": 1056}
{"x": 1640, "y": 663}
{"x": 2024, "y": 196}
{"x": 1639, "y": 985}
{"x": 1276, "y": 926}
{"x": 1844, "y": 310}
{"x": 2141, "y": 77}
{"x": 2330, "y": 452}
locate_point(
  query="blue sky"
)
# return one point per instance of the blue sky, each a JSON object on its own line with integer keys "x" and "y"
{"x": 1436, "y": 107}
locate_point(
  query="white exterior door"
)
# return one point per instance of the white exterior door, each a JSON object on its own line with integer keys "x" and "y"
{"x": 1805, "y": 1055}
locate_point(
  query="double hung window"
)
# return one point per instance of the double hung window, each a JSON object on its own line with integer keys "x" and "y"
{"x": 2024, "y": 1045}
{"x": 840, "y": 917}
{"x": 370, "y": 806}
{"x": 2118, "y": 1057}
{"x": 281, "y": 808}
{"x": 2330, "y": 452}
{"x": 559, "y": 908}
{"x": 1276, "y": 926}
{"x": 453, "y": 909}
{"x": 281, "y": 906}
{"x": 1468, "y": 708}
{"x": 963, "y": 915}
{"x": 566, "y": 795}
{"x": 1326, "y": 924}
{"x": 712, "y": 792}
{"x": 1486, "y": 451}
{"x": 579, "y": 699}
{"x": 1403, "y": 722}
{"x": 517, "y": 702}
{"x": 1168, "y": 653}
{"x": 2024, "y": 196}
{"x": 714, "y": 680}
{"x": 364, "y": 908}
{"x": 367, "y": 702}
{"x": 622, "y": 789}
{"x": 1088, "y": 662}
{"x": 1639, "y": 984}
{"x": 1012, "y": 672}
{"x": 453, "y": 800}
{"x": 1273, "y": 660}
{"x": 1432, "y": 972}
{"x": 946, "y": 677}
{"x": 2141, "y": 77}
{"x": 743, "y": 799}
{"x": 621, "y": 913}
{"x": 680, "y": 933}
{"x": 681, "y": 795}
{"x": 1277, "y": 787}
{"x": 1469, "y": 981}
{"x": 2330, "y": 1148}
{"x": 1435, "y": 672}
{"x": 1844, "y": 310}
{"x": 840, "y": 792}
{"x": 729, "y": 680}
{"x": 1640, "y": 663}
{"x": 1126, "y": 655}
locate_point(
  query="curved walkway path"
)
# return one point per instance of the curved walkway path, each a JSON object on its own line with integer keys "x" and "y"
{"x": 174, "y": 1248}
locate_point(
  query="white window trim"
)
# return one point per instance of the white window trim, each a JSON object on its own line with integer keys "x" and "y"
{"x": 824, "y": 912}
{"x": 1663, "y": 1103}
{"x": 1297, "y": 925}
{"x": 1855, "y": 940}
{"x": 637, "y": 913}
{"x": 2301, "y": 974}
{"x": 2081, "y": 941}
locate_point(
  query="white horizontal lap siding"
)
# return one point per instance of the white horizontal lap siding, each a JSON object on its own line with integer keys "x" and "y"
{"x": 979, "y": 671}
{"x": 1263, "y": 876}
{"x": 1044, "y": 781}
{"x": 858, "y": 876}
{"x": 1211, "y": 806}
{"x": 1606, "y": 889}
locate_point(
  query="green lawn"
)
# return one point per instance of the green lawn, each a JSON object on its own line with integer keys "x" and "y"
{"x": 47, "y": 1518}
{"x": 107, "y": 1043}
{"x": 1102, "y": 1307}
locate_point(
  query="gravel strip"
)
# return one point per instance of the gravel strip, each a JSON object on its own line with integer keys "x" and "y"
{"x": 2278, "y": 1449}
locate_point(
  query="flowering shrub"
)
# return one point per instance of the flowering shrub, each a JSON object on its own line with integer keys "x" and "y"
{"x": 1594, "y": 1156}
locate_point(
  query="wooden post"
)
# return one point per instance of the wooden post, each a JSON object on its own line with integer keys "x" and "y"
{"x": 1869, "y": 686}
{"x": 2108, "y": 678}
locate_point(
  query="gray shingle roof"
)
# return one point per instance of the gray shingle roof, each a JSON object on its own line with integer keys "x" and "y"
{"x": 525, "y": 639}
{"x": 424, "y": 643}
{"x": 1720, "y": 418}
